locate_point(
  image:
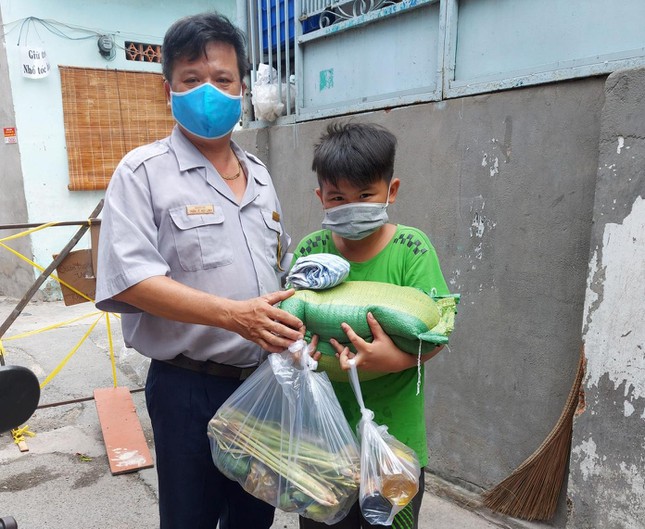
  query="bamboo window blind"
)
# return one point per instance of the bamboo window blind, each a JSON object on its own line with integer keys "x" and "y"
{"x": 108, "y": 113}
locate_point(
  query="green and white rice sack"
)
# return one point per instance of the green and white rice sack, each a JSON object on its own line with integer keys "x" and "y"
{"x": 415, "y": 321}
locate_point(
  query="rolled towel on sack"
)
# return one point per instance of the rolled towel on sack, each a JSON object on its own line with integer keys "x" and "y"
{"x": 318, "y": 272}
{"x": 415, "y": 321}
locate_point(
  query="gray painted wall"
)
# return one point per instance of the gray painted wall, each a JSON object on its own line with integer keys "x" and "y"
{"x": 607, "y": 477}
{"x": 15, "y": 275}
{"x": 504, "y": 186}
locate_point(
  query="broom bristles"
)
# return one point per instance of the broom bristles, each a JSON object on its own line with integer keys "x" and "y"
{"x": 532, "y": 490}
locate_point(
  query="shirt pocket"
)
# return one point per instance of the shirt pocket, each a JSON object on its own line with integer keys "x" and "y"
{"x": 274, "y": 243}
{"x": 201, "y": 240}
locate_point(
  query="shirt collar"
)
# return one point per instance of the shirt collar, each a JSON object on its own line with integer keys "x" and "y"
{"x": 189, "y": 157}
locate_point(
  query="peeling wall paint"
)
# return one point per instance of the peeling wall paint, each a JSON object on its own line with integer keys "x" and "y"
{"x": 588, "y": 458}
{"x": 615, "y": 339}
{"x": 479, "y": 225}
{"x": 606, "y": 487}
{"x": 493, "y": 165}
{"x": 607, "y": 482}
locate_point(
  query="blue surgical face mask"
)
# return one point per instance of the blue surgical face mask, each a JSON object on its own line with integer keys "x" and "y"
{"x": 356, "y": 220}
{"x": 206, "y": 111}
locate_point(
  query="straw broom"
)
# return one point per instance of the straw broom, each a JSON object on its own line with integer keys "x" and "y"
{"x": 532, "y": 490}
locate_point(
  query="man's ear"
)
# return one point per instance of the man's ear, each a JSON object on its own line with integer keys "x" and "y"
{"x": 394, "y": 189}
{"x": 166, "y": 89}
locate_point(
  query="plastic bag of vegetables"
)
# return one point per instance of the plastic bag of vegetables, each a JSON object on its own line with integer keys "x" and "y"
{"x": 390, "y": 470}
{"x": 283, "y": 436}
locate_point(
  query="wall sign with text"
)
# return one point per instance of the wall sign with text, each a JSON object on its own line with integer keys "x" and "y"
{"x": 9, "y": 134}
{"x": 35, "y": 63}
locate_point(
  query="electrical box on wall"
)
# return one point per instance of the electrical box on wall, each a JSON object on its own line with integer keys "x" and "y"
{"x": 106, "y": 47}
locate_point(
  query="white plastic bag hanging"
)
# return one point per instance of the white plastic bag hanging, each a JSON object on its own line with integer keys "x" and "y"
{"x": 269, "y": 95}
{"x": 390, "y": 470}
{"x": 283, "y": 436}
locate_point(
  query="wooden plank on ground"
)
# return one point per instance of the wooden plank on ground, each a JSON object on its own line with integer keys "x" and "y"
{"x": 125, "y": 443}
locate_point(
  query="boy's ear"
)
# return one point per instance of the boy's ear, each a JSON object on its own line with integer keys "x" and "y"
{"x": 319, "y": 194}
{"x": 394, "y": 189}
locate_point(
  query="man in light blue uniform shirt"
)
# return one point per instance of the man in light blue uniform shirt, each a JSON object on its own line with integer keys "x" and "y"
{"x": 192, "y": 251}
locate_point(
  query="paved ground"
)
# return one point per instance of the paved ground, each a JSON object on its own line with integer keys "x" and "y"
{"x": 64, "y": 480}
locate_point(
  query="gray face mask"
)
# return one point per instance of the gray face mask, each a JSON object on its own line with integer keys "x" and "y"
{"x": 356, "y": 220}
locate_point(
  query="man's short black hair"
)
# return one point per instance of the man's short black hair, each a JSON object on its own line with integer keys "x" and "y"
{"x": 358, "y": 153}
{"x": 187, "y": 38}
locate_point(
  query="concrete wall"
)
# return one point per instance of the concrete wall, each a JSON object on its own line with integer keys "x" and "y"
{"x": 15, "y": 274}
{"x": 504, "y": 186}
{"x": 607, "y": 477}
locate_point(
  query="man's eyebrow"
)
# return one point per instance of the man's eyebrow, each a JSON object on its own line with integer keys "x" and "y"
{"x": 189, "y": 68}
{"x": 227, "y": 71}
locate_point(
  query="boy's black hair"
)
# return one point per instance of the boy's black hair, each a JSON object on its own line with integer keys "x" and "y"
{"x": 187, "y": 38}
{"x": 359, "y": 153}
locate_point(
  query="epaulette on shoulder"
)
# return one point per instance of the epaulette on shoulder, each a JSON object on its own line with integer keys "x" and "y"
{"x": 142, "y": 154}
{"x": 255, "y": 159}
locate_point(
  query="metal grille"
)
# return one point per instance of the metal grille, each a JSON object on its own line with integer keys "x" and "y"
{"x": 323, "y": 13}
{"x": 274, "y": 27}
{"x": 272, "y": 31}
{"x": 314, "y": 7}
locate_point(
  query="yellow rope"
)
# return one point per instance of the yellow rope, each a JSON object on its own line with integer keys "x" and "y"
{"x": 67, "y": 322}
{"x": 111, "y": 347}
{"x": 28, "y": 232}
{"x": 69, "y": 355}
{"x": 18, "y": 434}
{"x": 42, "y": 269}
{"x": 50, "y": 327}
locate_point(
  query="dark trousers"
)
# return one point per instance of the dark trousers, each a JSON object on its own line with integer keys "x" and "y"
{"x": 407, "y": 518}
{"x": 193, "y": 494}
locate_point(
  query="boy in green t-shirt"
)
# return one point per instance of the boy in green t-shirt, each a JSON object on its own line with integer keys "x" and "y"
{"x": 354, "y": 164}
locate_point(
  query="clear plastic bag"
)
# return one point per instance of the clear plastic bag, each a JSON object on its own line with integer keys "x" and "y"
{"x": 133, "y": 364}
{"x": 390, "y": 470}
{"x": 283, "y": 436}
{"x": 269, "y": 96}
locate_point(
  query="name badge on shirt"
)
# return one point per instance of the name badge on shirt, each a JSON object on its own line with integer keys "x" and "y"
{"x": 276, "y": 216}
{"x": 206, "y": 209}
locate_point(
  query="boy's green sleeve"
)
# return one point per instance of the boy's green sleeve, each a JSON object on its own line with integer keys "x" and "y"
{"x": 424, "y": 272}
{"x": 297, "y": 252}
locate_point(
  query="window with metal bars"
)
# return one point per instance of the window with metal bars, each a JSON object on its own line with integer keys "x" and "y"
{"x": 274, "y": 28}
{"x": 361, "y": 55}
